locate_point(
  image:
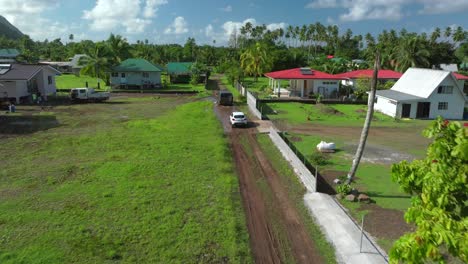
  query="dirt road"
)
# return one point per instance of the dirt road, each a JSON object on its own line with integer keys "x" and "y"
{"x": 277, "y": 233}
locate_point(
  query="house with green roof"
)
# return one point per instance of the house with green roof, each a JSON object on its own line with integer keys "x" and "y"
{"x": 136, "y": 73}
{"x": 8, "y": 55}
{"x": 179, "y": 72}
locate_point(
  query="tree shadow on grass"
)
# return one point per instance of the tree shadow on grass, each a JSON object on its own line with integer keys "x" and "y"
{"x": 379, "y": 194}
{"x": 19, "y": 124}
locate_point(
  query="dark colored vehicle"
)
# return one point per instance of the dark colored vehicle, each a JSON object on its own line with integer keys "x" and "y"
{"x": 225, "y": 98}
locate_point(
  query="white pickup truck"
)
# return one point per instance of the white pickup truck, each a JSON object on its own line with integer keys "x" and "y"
{"x": 88, "y": 95}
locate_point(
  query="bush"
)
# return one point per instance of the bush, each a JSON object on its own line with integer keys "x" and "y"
{"x": 343, "y": 189}
{"x": 318, "y": 159}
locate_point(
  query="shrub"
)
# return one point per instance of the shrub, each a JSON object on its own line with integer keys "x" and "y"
{"x": 343, "y": 189}
{"x": 318, "y": 158}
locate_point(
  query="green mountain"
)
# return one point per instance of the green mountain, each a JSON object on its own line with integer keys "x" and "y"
{"x": 8, "y": 30}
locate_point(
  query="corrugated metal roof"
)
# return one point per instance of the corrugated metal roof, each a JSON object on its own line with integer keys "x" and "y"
{"x": 24, "y": 71}
{"x": 296, "y": 73}
{"x": 383, "y": 74}
{"x": 9, "y": 53}
{"x": 420, "y": 82}
{"x": 179, "y": 67}
{"x": 397, "y": 96}
{"x": 136, "y": 65}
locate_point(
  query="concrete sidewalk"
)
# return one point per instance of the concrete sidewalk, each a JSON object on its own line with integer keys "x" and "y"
{"x": 342, "y": 232}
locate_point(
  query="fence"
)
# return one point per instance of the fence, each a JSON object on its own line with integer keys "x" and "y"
{"x": 301, "y": 166}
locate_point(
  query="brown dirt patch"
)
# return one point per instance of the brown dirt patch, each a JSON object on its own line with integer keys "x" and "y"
{"x": 328, "y": 110}
{"x": 295, "y": 139}
{"x": 385, "y": 223}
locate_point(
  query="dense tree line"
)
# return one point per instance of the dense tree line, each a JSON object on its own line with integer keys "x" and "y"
{"x": 257, "y": 49}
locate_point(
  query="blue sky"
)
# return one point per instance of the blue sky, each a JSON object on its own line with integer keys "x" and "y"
{"x": 173, "y": 21}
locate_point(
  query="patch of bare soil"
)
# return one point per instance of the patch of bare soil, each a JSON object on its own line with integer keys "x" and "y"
{"x": 328, "y": 110}
{"x": 385, "y": 223}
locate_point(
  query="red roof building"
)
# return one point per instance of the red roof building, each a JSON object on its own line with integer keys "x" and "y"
{"x": 304, "y": 82}
{"x": 460, "y": 77}
{"x": 383, "y": 74}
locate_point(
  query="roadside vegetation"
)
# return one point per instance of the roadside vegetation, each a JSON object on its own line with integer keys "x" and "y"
{"x": 110, "y": 182}
{"x": 296, "y": 193}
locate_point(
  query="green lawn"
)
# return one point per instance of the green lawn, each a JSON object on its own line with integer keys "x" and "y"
{"x": 373, "y": 179}
{"x": 332, "y": 115}
{"x": 68, "y": 81}
{"x": 115, "y": 183}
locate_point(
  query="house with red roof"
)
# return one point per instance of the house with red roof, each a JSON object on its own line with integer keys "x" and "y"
{"x": 304, "y": 82}
{"x": 349, "y": 78}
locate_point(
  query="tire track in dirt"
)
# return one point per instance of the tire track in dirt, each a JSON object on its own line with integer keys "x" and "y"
{"x": 266, "y": 215}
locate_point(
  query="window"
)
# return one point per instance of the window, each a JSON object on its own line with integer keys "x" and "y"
{"x": 445, "y": 89}
{"x": 49, "y": 79}
{"x": 122, "y": 75}
{"x": 145, "y": 75}
{"x": 443, "y": 106}
{"x": 115, "y": 74}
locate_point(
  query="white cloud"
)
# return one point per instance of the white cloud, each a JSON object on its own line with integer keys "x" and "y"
{"x": 209, "y": 31}
{"x": 322, "y": 4}
{"x": 129, "y": 14}
{"x": 227, "y": 9}
{"x": 439, "y": 7}
{"x": 152, "y": 7}
{"x": 179, "y": 26}
{"x": 275, "y": 26}
{"x": 27, "y": 16}
{"x": 230, "y": 27}
{"x": 357, "y": 10}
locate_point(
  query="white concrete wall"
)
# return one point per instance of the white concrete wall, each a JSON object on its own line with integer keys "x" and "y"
{"x": 384, "y": 106}
{"x": 300, "y": 169}
{"x": 455, "y": 102}
{"x": 252, "y": 103}
{"x": 329, "y": 88}
{"x": 136, "y": 78}
{"x": 46, "y": 88}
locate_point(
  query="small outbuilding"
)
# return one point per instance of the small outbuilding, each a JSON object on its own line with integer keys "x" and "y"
{"x": 425, "y": 94}
{"x": 350, "y": 78}
{"x": 179, "y": 72}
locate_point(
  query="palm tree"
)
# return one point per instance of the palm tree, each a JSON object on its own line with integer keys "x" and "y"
{"x": 97, "y": 63}
{"x": 435, "y": 35}
{"x": 367, "y": 123}
{"x": 411, "y": 52}
{"x": 448, "y": 32}
{"x": 459, "y": 35}
{"x": 255, "y": 60}
{"x": 119, "y": 47}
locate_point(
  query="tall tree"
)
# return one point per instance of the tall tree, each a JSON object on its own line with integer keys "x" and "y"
{"x": 119, "y": 48}
{"x": 367, "y": 123}
{"x": 255, "y": 60}
{"x": 439, "y": 188}
{"x": 97, "y": 63}
{"x": 411, "y": 52}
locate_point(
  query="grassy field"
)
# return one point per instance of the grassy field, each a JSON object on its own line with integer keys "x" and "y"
{"x": 114, "y": 183}
{"x": 68, "y": 81}
{"x": 296, "y": 193}
{"x": 332, "y": 115}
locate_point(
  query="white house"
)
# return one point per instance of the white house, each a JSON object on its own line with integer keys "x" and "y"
{"x": 20, "y": 81}
{"x": 423, "y": 93}
{"x": 305, "y": 81}
{"x": 138, "y": 73}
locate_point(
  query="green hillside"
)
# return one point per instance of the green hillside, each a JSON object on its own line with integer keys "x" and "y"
{"x": 8, "y": 30}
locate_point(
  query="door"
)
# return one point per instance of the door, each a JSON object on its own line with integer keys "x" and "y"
{"x": 423, "y": 110}
{"x": 306, "y": 93}
{"x": 406, "y": 110}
